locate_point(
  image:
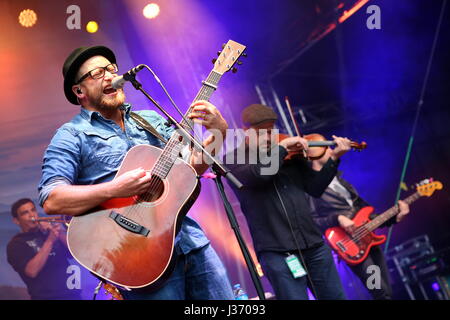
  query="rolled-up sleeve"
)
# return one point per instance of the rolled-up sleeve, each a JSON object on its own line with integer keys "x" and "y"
{"x": 61, "y": 162}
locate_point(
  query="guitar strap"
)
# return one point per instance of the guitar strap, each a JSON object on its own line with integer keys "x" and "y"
{"x": 147, "y": 126}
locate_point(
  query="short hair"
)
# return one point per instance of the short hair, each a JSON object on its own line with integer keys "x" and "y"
{"x": 16, "y": 205}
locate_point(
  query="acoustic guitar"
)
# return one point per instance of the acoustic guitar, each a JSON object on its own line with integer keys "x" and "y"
{"x": 130, "y": 241}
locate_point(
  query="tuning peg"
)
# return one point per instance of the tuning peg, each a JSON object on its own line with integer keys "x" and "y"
{"x": 214, "y": 60}
{"x": 239, "y": 62}
{"x": 223, "y": 45}
{"x": 219, "y": 53}
{"x": 234, "y": 70}
{"x": 244, "y": 54}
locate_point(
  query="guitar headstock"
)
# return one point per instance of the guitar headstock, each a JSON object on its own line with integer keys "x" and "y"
{"x": 428, "y": 186}
{"x": 228, "y": 57}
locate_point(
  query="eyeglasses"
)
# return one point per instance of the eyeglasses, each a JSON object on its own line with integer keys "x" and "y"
{"x": 99, "y": 72}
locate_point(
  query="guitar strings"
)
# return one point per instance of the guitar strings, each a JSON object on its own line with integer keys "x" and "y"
{"x": 171, "y": 145}
{"x": 360, "y": 233}
{"x": 158, "y": 170}
{"x": 135, "y": 211}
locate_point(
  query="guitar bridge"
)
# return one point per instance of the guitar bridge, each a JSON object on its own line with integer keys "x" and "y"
{"x": 129, "y": 224}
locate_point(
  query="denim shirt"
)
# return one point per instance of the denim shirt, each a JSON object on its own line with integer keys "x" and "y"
{"x": 89, "y": 150}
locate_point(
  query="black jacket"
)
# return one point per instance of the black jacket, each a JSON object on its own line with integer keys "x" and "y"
{"x": 267, "y": 201}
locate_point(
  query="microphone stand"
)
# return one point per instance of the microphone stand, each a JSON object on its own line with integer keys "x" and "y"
{"x": 221, "y": 171}
{"x": 235, "y": 226}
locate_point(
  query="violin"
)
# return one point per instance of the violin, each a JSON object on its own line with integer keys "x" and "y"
{"x": 317, "y": 144}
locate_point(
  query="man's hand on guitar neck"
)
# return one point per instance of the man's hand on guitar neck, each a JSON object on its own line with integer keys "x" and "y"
{"x": 349, "y": 226}
{"x": 207, "y": 115}
{"x": 403, "y": 208}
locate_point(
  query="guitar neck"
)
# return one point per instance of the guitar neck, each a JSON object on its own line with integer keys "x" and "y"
{"x": 174, "y": 145}
{"x": 208, "y": 87}
{"x": 388, "y": 214}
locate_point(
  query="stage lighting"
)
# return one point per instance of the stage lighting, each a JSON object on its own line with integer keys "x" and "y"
{"x": 27, "y": 18}
{"x": 92, "y": 27}
{"x": 151, "y": 11}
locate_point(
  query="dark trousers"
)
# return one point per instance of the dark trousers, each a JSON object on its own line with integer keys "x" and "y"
{"x": 321, "y": 268}
{"x": 375, "y": 258}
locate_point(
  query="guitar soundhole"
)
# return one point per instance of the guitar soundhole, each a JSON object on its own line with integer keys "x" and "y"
{"x": 155, "y": 191}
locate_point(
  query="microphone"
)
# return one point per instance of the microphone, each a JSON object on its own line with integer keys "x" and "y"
{"x": 118, "y": 82}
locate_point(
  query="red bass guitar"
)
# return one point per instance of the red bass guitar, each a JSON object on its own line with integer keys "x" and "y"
{"x": 354, "y": 248}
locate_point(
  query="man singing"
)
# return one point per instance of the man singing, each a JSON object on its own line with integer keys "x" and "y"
{"x": 85, "y": 154}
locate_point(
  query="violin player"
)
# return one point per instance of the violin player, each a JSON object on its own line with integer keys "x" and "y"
{"x": 287, "y": 242}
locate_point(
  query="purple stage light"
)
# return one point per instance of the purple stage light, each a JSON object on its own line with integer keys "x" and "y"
{"x": 436, "y": 286}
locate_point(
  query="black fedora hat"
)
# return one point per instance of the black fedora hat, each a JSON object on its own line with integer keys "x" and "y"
{"x": 74, "y": 62}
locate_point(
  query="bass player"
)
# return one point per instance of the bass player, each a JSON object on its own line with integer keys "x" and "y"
{"x": 336, "y": 207}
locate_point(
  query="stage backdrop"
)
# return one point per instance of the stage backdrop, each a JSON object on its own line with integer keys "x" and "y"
{"x": 319, "y": 53}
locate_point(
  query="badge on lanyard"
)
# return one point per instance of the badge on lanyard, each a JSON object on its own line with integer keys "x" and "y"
{"x": 295, "y": 266}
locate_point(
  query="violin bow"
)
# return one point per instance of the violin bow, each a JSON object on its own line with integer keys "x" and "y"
{"x": 296, "y": 126}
